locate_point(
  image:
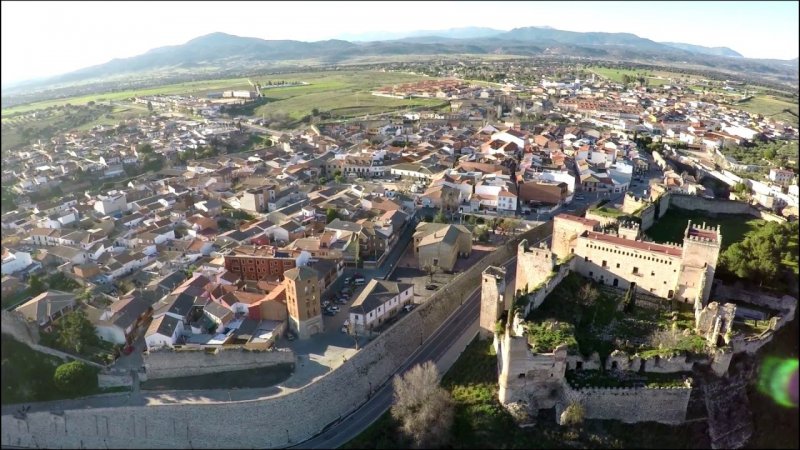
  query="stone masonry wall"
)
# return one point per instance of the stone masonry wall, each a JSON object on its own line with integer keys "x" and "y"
{"x": 630, "y": 405}
{"x": 170, "y": 363}
{"x": 276, "y": 421}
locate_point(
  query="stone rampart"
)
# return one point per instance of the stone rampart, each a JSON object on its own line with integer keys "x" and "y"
{"x": 220, "y": 425}
{"x": 184, "y": 362}
{"x": 114, "y": 379}
{"x": 605, "y": 221}
{"x": 630, "y": 405}
{"x": 14, "y": 324}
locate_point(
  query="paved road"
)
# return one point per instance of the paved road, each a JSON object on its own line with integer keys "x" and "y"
{"x": 434, "y": 348}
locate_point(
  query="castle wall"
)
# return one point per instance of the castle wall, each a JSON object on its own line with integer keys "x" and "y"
{"x": 648, "y": 216}
{"x": 534, "y": 266}
{"x": 565, "y": 232}
{"x": 663, "y": 204}
{"x": 630, "y": 405}
{"x": 605, "y": 221}
{"x": 493, "y": 287}
{"x": 168, "y": 363}
{"x": 533, "y": 379}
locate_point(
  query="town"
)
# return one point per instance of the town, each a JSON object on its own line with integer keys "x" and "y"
{"x": 193, "y": 239}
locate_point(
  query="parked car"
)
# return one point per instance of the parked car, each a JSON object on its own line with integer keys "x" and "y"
{"x": 347, "y": 290}
{"x": 328, "y": 312}
{"x": 430, "y": 286}
{"x": 333, "y": 308}
{"x": 348, "y": 280}
{"x": 342, "y": 301}
{"x": 326, "y": 303}
{"x": 359, "y": 281}
{"x": 290, "y": 336}
{"x": 408, "y": 307}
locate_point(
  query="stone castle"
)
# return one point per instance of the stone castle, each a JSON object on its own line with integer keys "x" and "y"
{"x": 529, "y": 381}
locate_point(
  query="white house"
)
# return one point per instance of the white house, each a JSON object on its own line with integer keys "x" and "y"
{"x": 163, "y": 332}
{"x": 112, "y": 203}
{"x": 14, "y": 261}
{"x": 379, "y": 301}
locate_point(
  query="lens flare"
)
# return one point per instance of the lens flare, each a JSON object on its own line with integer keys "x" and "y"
{"x": 778, "y": 379}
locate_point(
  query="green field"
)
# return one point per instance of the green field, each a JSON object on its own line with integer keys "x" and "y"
{"x": 193, "y": 87}
{"x": 342, "y": 94}
{"x": 672, "y": 226}
{"x": 615, "y": 75}
{"x": 770, "y": 106}
{"x": 482, "y": 422}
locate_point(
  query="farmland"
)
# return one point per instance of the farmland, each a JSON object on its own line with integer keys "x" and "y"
{"x": 770, "y": 106}
{"x": 195, "y": 87}
{"x": 342, "y": 95}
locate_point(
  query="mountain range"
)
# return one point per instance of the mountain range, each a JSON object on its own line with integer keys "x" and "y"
{"x": 225, "y": 53}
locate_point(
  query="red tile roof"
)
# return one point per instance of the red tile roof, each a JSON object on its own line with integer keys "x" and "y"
{"x": 638, "y": 245}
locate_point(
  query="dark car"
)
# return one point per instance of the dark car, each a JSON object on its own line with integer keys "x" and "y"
{"x": 329, "y": 312}
{"x": 430, "y": 286}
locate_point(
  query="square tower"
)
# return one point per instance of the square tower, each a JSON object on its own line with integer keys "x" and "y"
{"x": 493, "y": 288}
{"x": 701, "y": 246}
{"x": 303, "y": 301}
{"x": 534, "y": 265}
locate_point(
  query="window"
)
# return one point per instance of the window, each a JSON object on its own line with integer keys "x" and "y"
{"x": 635, "y": 270}
{"x": 617, "y": 265}
{"x": 605, "y": 264}
{"x": 652, "y": 273}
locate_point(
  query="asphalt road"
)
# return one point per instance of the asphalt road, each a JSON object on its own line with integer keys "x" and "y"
{"x": 433, "y": 349}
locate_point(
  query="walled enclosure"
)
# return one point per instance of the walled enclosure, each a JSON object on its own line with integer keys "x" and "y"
{"x": 629, "y": 405}
{"x": 276, "y": 421}
{"x": 168, "y": 363}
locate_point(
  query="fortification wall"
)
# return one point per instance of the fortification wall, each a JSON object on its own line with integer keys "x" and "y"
{"x": 184, "y": 362}
{"x": 648, "y": 216}
{"x": 604, "y": 220}
{"x": 536, "y": 297}
{"x": 277, "y": 421}
{"x": 715, "y": 206}
{"x": 15, "y": 325}
{"x": 114, "y": 379}
{"x": 630, "y": 405}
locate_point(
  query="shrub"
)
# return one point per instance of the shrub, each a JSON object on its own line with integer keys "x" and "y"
{"x": 75, "y": 377}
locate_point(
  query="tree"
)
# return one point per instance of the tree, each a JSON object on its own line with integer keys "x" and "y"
{"x": 757, "y": 257}
{"x": 431, "y": 270}
{"x": 75, "y": 377}
{"x": 150, "y": 106}
{"x": 35, "y": 285}
{"x": 440, "y": 218}
{"x": 331, "y": 214}
{"x": 85, "y": 295}
{"x": 423, "y": 408}
{"x": 75, "y": 332}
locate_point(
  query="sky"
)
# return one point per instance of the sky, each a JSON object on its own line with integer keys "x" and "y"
{"x": 41, "y": 39}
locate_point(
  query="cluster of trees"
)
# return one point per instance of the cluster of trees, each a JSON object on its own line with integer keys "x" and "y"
{"x": 72, "y": 333}
{"x": 57, "y": 281}
{"x": 639, "y": 79}
{"x": 759, "y": 257}
{"x": 424, "y": 410}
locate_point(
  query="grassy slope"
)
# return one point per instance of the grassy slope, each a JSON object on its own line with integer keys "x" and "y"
{"x": 770, "y": 106}
{"x": 671, "y": 227}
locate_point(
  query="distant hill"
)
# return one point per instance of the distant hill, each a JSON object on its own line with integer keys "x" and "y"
{"x": 222, "y": 53}
{"x": 453, "y": 33}
{"x": 699, "y": 49}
